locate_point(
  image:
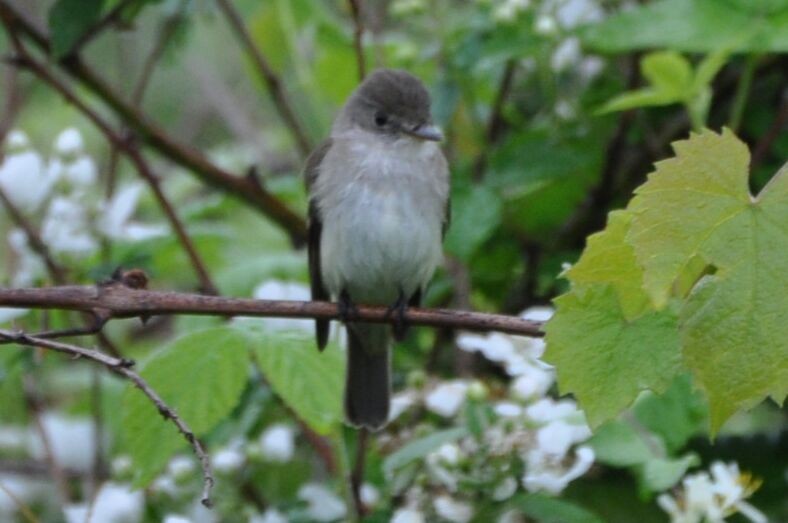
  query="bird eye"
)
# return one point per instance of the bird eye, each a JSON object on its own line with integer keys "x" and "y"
{"x": 381, "y": 119}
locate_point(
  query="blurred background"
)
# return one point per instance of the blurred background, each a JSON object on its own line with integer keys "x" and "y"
{"x": 554, "y": 112}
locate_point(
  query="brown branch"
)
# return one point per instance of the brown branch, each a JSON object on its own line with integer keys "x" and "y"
{"x": 267, "y": 75}
{"x": 356, "y": 9}
{"x": 495, "y": 125}
{"x": 122, "y": 367}
{"x": 116, "y": 300}
{"x": 130, "y": 149}
{"x": 156, "y": 137}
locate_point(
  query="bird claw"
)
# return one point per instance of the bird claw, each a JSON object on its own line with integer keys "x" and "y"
{"x": 400, "y": 325}
{"x": 347, "y": 309}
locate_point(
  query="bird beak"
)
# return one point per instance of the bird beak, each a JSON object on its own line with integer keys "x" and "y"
{"x": 426, "y": 132}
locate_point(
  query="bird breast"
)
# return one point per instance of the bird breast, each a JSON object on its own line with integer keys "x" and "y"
{"x": 382, "y": 206}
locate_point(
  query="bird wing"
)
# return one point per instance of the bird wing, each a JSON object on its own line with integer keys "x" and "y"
{"x": 314, "y": 230}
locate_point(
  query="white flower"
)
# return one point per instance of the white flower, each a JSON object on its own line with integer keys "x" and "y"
{"x": 228, "y": 459}
{"x": 440, "y": 464}
{"x": 400, "y": 403}
{"x": 15, "y": 141}
{"x": 538, "y": 313}
{"x": 8, "y": 314}
{"x": 277, "y": 443}
{"x": 508, "y": 10}
{"x": 271, "y": 515}
{"x": 704, "y": 498}
{"x": 505, "y": 489}
{"x": 545, "y": 25}
{"x": 448, "y": 453}
{"x": 556, "y": 437}
{"x": 71, "y": 440}
{"x": 532, "y": 382}
{"x": 13, "y": 438}
{"x": 565, "y": 55}
{"x": 180, "y": 467}
{"x": 546, "y": 410}
{"x": 370, "y": 496}
{"x": 564, "y": 109}
{"x": 165, "y": 484}
{"x": 24, "y": 179}
{"x": 115, "y": 503}
{"x": 590, "y": 67}
{"x": 121, "y": 465}
{"x": 447, "y": 398}
{"x": 508, "y": 409}
{"x": 175, "y": 518}
{"x": 407, "y": 515}
{"x": 22, "y": 489}
{"x": 572, "y": 13}
{"x": 453, "y": 510}
{"x": 66, "y": 228}
{"x": 79, "y": 172}
{"x": 511, "y": 516}
{"x": 115, "y": 219}
{"x": 283, "y": 290}
{"x": 69, "y": 142}
{"x": 543, "y": 472}
{"x": 29, "y": 264}
{"x": 495, "y": 347}
{"x": 323, "y": 505}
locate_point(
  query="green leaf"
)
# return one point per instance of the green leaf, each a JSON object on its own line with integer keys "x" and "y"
{"x": 676, "y": 415}
{"x": 693, "y": 26}
{"x": 68, "y": 21}
{"x": 309, "y": 381}
{"x": 659, "y": 474}
{"x": 476, "y": 212}
{"x": 732, "y": 324}
{"x": 607, "y": 258}
{"x": 605, "y": 359}
{"x": 709, "y": 67}
{"x": 545, "y": 509}
{"x": 668, "y": 72}
{"x": 201, "y": 376}
{"x": 419, "y": 448}
{"x": 646, "y": 97}
{"x": 617, "y": 443}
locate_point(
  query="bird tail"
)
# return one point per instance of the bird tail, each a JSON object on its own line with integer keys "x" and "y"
{"x": 368, "y": 382}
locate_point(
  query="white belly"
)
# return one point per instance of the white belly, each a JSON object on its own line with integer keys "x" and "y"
{"x": 382, "y": 227}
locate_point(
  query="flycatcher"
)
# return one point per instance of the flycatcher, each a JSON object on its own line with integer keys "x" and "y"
{"x": 378, "y": 209}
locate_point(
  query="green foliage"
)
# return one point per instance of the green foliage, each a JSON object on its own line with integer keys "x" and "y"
{"x": 476, "y": 212}
{"x": 308, "y": 381}
{"x": 672, "y": 80}
{"x": 200, "y": 376}
{"x": 704, "y": 249}
{"x": 544, "y": 509}
{"x": 419, "y": 448}
{"x": 68, "y": 21}
{"x": 695, "y": 26}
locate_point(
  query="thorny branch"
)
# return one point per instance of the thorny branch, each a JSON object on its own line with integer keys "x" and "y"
{"x": 123, "y": 367}
{"x": 241, "y": 187}
{"x": 117, "y": 300}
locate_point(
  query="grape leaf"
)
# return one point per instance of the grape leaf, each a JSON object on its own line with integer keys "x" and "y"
{"x": 607, "y": 258}
{"x": 201, "y": 376}
{"x": 733, "y": 327}
{"x": 310, "y": 382}
{"x": 605, "y": 359}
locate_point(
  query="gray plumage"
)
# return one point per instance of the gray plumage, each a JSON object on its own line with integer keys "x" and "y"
{"x": 379, "y": 192}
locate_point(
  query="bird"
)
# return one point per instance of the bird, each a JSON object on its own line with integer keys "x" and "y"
{"x": 378, "y": 192}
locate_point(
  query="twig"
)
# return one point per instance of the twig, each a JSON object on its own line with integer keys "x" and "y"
{"x": 92, "y": 32}
{"x": 123, "y": 368}
{"x": 12, "y": 105}
{"x": 57, "y": 272}
{"x": 56, "y": 472}
{"x": 156, "y": 137}
{"x": 356, "y": 9}
{"x": 495, "y": 125}
{"x": 20, "y": 505}
{"x": 130, "y": 149}
{"x": 268, "y": 76}
{"x": 116, "y": 301}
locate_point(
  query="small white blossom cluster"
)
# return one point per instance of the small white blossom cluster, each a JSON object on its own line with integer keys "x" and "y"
{"x": 525, "y": 425}
{"x": 712, "y": 498}
{"x": 61, "y": 197}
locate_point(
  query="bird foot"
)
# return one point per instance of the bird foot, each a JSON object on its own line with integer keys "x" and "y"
{"x": 347, "y": 309}
{"x": 398, "y": 308}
